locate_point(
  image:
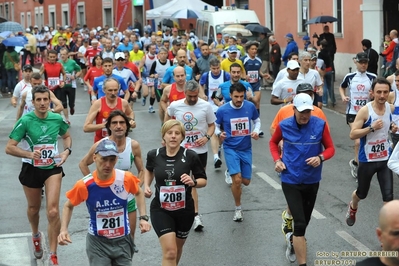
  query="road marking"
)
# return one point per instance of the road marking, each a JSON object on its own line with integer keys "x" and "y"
{"x": 269, "y": 180}
{"x": 316, "y": 214}
{"x": 353, "y": 241}
{"x": 15, "y": 235}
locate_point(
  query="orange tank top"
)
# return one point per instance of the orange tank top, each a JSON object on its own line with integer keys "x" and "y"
{"x": 103, "y": 115}
{"x": 175, "y": 95}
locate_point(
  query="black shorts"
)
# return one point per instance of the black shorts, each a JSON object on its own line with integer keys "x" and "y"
{"x": 42, "y": 48}
{"x": 34, "y": 177}
{"x": 58, "y": 92}
{"x": 82, "y": 65}
{"x": 317, "y": 99}
{"x": 350, "y": 118}
{"x": 165, "y": 222}
{"x": 203, "y": 158}
{"x": 158, "y": 94}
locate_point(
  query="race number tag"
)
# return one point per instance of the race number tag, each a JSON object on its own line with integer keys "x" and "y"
{"x": 47, "y": 153}
{"x": 239, "y": 126}
{"x": 253, "y": 76}
{"x": 172, "y": 198}
{"x": 68, "y": 79}
{"x": 159, "y": 85}
{"x": 111, "y": 224}
{"x": 377, "y": 149}
{"x": 53, "y": 82}
{"x": 150, "y": 82}
{"x": 90, "y": 61}
{"x": 191, "y": 138}
{"x": 359, "y": 102}
{"x": 104, "y": 132}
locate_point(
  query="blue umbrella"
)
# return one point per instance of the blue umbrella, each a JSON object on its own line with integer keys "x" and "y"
{"x": 5, "y": 34}
{"x": 320, "y": 19}
{"x": 186, "y": 13}
{"x": 11, "y": 26}
{"x": 15, "y": 41}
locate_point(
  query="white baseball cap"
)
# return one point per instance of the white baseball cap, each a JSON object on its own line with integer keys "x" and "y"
{"x": 27, "y": 30}
{"x": 303, "y": 102}
{"x": 98, "y": 28}
{"x": 292, "y": 64}
{"x": 111, "y": 29}
{"x": 119, "y": 55}
{"x": 46, "y": 28}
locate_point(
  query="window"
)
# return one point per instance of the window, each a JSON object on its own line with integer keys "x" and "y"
{"x": 205, "y": 31}
{"x": 41, "y": 17}
{"x": 212, "y": 35}
{"x": 52, "y": 19}
{"x": 199, "y": 27}
{"x": 269, "y": 6}
{"x": 23, "y": 19}
{"x": 241, "y": 3}
{"x": 37, "y": 16}
{"x": 28, "y": 19}
{"x": 12, "y": 11}
{"x": 108, "y": 18}
{"x": 1, "y": 10}
{"x": 6, "y": 12}
{"x": 81, "y": 19}
{"x": 303, "y": 13}
{"x": 65, "y": 14}
{"x": 338, "y": 12}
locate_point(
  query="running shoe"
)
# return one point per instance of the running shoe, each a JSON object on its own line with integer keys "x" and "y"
{"x": 198, "y": 225}
{"x": 143, "y": 101}
{"x": 228, "y": 177}
{"x": 72, "y": 110}
{"x": 238, "y": 216}
{"x": 85, "y": 87}
{"x": 81, "y": 81}
{"x": 261, "y": 134}
{"x": 350, "y": 215}
{"x": 286, "y": 225}
{"x": 53, "y": 260}
{"x": 290, "y": 252}
{"x": 217, "y": 162}
{"x": 37, "y": 246}
{"x": 220, "y": 151}
{"x": 353, "y": 167}
{"x": 151, "y": 110}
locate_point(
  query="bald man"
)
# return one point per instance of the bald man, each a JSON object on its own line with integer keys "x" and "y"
{"x": 180, "y": 59}
{"x": 387, "y": 233}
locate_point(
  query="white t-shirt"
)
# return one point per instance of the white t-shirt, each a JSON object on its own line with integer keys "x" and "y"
{"x": 286, "y": 88}
{"x": 126, "y": 74}
{"x": 195, "y": 119}
{"x": 281, "y": 74}
{"x": 312, "y": 77}
{"x": 20, "y": 88}
{"x": 82, "y": 50}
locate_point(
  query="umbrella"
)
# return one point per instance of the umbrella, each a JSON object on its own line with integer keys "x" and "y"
{"x": 15, "y": 41}
{"x": 321, "y": 19}
{"x": 11, "y": 26}
{"x": 167, "y": 23}
{"x": 5, "y": 34}
{"x": 233, "y": 29}
{"x": 186, "y": 13}
{"x": 258, "y": 28}
{"x": 2, "y": 20}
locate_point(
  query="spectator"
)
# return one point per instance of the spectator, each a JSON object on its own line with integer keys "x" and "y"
{"x": 137, "y": 25}
{"x": 291, "y": 47}
{"x": 263, "y": 54}
{"x": 275, "y": 56}
{"x": 385, "y": 45}
{"x": 10, "y": 58}
{"x": 329, "y": 37}
{"x": 389, "y": 52}
{"x": 372, "y": 55}
{"x": 306, "y": 42}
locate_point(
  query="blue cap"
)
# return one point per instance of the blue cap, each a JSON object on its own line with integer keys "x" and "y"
{"x": 289, "y": 35}
{"x": 232, "y": 49}
{"x": 107, "y": 148}
{"x": 306, "y": 38}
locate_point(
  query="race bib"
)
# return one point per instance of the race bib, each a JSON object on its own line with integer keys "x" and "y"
{"x": 253, "y": 76}
{"x": 191, "y": 138}
{"x": 239, "y": 126}
{"x": 104, "y": 132}
{"x": 68, "y": 79}
{"x": 159, "y": 85}
{"x": 53, "y": 82}
{"x": 90, "y": 60}
{"x": 359, "y": 103}
{"x": 150, "y": 82}
{"x": 111, "y": 224}
{"x": 47, "y": 153}
{"x": 377, "y": 149}
{"x": 172, "y": 198}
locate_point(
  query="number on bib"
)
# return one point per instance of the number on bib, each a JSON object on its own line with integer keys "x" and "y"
{"x": 47, "y": 153}
{"x": 111, "y": 224}
{"x": 53, "y": 82}
{"x": 239, "y": 126}
{"x": 172, "y": 198}
{"x": 377, "y": 150}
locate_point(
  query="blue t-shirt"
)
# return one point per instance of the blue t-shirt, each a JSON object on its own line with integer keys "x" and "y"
{"x": 224, "y": 90}
{"x": 252, "y": 67}
{"x": 168, "y": 77}
{"x": 237, "y": 124}
{"x": 98, "y": 85}
{"x": 122, "y": 47}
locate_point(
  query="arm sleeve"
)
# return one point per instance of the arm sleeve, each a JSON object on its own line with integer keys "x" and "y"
{"x": 167, "y": 77}
{"x": 329, "y": 149}
{"x": 153, "y": 66}
{"x": 18, "y": 133}
{"x": 273, "y": 143}
{"x": 78, "y": 193}
{"x": 150, "y": 165}
{"x": 123, "y": 84}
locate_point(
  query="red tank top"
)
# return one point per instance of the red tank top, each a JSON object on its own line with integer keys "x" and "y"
{"x": 52, "y": 74}
{"x": 175, "y": 95}
{"x": 103, "y": 115}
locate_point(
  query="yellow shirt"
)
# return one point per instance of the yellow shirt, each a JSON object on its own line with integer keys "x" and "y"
{"x": 226, "y": 63}
{"x": 54, "y": 41}
{"x": 136, "y": 57}
{"x": 190, "y": 46}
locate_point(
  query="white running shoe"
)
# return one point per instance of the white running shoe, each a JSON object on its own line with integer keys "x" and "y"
{"x": 198, "y": 225}
{"x": 238, "y": 216}
{"x": 228, "y": 177}
{"x": 290, "y": 252}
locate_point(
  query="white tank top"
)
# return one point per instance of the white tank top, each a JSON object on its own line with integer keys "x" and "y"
{"x": 395, "y": 114}
{"x": 213, "y": 85}
{"x": 106, "y": 54}
{"x": 160, "y": 69}
{"x": 125, "y": 158}
{"x": 148, "y": 63}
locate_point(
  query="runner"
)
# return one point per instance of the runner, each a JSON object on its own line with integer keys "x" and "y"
{"x": 148, "y": 82}
{"x": 169, "y": 74}
{"x": 72, "y": 71}
{"x": 105, "y": 184}
{"x": 358, "y": 85}
{"x": 394, "y": 100}
{"x": 129, "y": 150}
{"x": 95, "y": 71}
{"x": 372, "y": 125}
{"x": 172, "y": 209}
{"x": 198, "y": 119}
{"x": 300, "y": 167}
{"x": 235, "y": 118}
{"x": 42, "y": 165}
{"x": 231, "y": 59}
{"x": 19, "y": 89}
{"x": 52, "y": 71}
{"x": 310, "y": 76}
{"x": 101, "y": 108}
{"x": 92, "y": 51}
{"x": 124, "y": 72}
{"x": 82, "y": 61}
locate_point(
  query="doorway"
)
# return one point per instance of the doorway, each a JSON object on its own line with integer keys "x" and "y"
{"x": 391, "y": 15}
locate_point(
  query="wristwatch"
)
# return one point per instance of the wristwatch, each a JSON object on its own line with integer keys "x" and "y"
{"x": 69, "y": 149}
{"x": 207, "y": 136}
{"x": 195, "y": 183}
{"x": 321, "y": 157}
{"x": 371, "y": 128}
{"x": 144, "y": 217}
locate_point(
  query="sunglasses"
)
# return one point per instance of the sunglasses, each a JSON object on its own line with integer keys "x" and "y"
{"x": 120, "y": 59}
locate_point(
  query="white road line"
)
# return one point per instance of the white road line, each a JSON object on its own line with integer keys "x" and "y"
{"x": 351, "y": 240}
{"x": 269, "y": 180}
{"x": 316, "y": 214}
{"x": 15, "y": 235}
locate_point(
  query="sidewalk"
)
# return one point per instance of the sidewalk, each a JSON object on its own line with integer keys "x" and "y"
{"x": 340, "y": 106}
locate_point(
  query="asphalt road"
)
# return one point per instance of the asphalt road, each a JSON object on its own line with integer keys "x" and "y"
{"x": 256, "y": 241}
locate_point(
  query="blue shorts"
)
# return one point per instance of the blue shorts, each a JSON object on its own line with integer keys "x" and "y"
{"x": 239, "y": 162}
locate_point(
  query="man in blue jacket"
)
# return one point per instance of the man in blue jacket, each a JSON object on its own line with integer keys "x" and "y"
{"x": 291, "y": 47}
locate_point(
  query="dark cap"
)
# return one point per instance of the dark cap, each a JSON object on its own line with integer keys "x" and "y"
{"x": 176, "y": 42}
{"x": 86, "y": 40}
{"x": 303, "y": 87}
{"x": 26, "y": 67}
{"x": 361, "y": 57}
{"x": 107, "y": 148}
{"x": 61, "y": 28}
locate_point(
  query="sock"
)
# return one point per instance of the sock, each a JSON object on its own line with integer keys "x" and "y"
{"x": 37, "y": 235}
{"x": 238, "y": 208}
{"x": 152, "y": 101}
{"x": 354, "y": 162}
{"x": 288, "y": 216}
{"x": 215, "y": 156}
{"x": 195, "y": 214}
{"x": 304, "y": 264}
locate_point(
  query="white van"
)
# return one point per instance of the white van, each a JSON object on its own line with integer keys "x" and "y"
{"x": 221, "y": 20}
